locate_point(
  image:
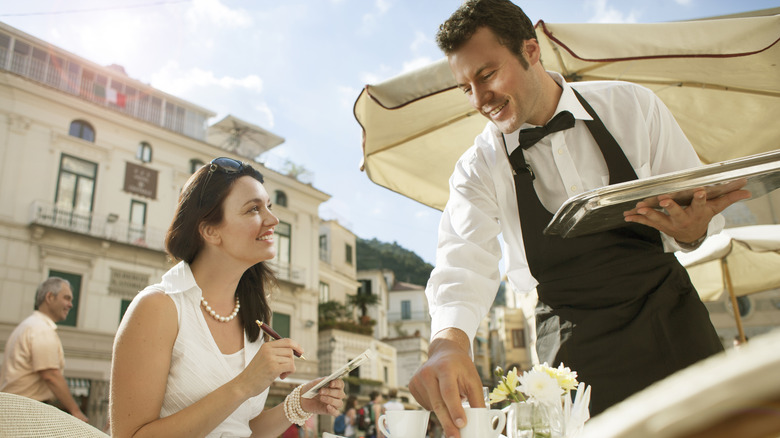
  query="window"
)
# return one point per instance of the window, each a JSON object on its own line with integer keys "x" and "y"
{"x": 406, "y": 309}
{"x": 123, "y": 308}
{"x": 324, "y": 248}
{"x": 82, "y": 130}
{"x": 324, "y": 292}
{"x": 136, "y": 232}
{"x": 21, "y": 58}
{"x": 348, "y": 250}
{"x": 144, "y": 152}
{"x": 365, "y": 287}
{"x": 174, "y": 117}
{"x": 282, "y": 242}
{"x": 281, "y": 198}
{"x": 75, "y": 192}
{"x": 75, "y": 287}
{"x": 387, "y": 374}
{"x": 354, "y": 373}
{"x": 281, "y": 323}
{"x": 518, "y": 338}
{"x": 195, "y": 164}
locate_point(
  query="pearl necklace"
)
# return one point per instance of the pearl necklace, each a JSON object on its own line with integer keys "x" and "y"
{"x": 215, "y": 315}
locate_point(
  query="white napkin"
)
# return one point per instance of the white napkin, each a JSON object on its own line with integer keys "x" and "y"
{"x": 578, "y": 412}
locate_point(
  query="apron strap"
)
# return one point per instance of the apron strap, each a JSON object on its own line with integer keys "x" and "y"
{"x": 620, "y": 169}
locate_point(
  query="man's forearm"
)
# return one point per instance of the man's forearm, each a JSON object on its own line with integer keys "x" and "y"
{"x": 57, "y": 384}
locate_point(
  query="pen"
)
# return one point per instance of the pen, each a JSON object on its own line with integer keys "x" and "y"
{"x": 272, "y": 333}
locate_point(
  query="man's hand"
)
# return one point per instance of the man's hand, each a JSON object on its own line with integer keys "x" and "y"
{"x": 684, "y": 224}
{"x": 80, "y": 415}
{"x": 447, "y": 376}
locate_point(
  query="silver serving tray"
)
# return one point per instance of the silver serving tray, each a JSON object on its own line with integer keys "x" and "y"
{"x": 602, "y": 209}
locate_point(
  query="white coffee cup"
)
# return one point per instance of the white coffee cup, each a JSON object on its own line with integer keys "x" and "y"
{"x": 483, "y": 423}
{"x": 404, "y": 424}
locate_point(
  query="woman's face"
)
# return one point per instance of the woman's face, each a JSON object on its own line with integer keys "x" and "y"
{"x": 247, "y": 228}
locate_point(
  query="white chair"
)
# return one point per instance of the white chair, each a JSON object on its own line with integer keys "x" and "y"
{"x": 22, "y": 417}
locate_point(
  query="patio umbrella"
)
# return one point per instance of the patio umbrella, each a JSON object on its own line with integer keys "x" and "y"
{"x": 720, "y": 78}
{"x": 740, "y": 261}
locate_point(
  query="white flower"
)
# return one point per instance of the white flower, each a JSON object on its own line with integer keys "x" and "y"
{"x": 567, "y": 379}
{"x": 540, "y": 386}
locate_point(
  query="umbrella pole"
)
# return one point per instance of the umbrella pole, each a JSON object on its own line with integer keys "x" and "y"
{"x": 734, "y": 304}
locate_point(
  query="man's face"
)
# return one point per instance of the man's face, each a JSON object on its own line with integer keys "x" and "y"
{"x": 60, "y": 304}
{"x": 495, "y": 81}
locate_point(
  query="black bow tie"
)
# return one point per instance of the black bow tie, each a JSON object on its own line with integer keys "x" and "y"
{"x": 529, "y": 137}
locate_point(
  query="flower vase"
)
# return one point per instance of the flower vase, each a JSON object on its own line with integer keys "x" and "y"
{"x": 533, "y": 419}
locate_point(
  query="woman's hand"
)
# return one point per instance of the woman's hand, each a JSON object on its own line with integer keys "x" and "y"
{"x": 329, "y": 399}
{"x": 275, "y": 359}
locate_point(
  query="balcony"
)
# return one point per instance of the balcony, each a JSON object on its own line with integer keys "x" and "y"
{"x": 417, "y": 316}
{"x": 106, "y": 227}
{"x": 287, "y": 272}
{"x": 56, "y": 68}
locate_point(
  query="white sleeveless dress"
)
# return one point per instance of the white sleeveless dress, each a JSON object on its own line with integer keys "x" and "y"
{"x": 197, "y": 365}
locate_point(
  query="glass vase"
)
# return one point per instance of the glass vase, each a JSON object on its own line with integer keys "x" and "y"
{"x": 532, "y": 419}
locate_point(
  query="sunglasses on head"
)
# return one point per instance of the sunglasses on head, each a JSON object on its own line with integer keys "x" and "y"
{"x": 227, "y": 166}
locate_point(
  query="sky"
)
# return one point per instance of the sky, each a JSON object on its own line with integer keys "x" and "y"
{"x": 296, "y": 67}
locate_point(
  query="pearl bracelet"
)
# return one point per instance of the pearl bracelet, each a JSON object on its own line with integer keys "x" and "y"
{"x": 292, "y": 408}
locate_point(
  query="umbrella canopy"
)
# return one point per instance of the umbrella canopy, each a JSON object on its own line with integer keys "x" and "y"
{"x": 740, "y": 261}
{"x": 753, "y": 257}
{"x": 720, "y": 78}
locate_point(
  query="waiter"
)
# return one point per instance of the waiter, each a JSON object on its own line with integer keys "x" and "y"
{"x": 615, "y": 306}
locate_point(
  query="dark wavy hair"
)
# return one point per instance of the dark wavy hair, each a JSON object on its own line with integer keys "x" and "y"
{"x": 201, "y": 202}
{"x": 508, "y": 22}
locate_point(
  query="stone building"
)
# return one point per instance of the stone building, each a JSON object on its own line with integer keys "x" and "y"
{"x": 92, "y": 165}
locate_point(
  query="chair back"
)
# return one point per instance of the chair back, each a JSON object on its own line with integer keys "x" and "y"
{"x": 22, "y": 417}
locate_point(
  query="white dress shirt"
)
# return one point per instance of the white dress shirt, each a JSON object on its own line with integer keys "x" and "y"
{"x": 483, "y": 204}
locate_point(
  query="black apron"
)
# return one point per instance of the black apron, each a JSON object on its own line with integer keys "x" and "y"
{"x": 613, "y": 306}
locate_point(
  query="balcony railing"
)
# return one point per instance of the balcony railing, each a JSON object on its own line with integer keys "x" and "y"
{"x": 106, "y": 227}
{"x": 408, "y": 316}
{"x": 63, "y": 71}
{"x": 287, "y": 272}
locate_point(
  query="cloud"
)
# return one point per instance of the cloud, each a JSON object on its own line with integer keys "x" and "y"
{"x": 267, "y": 115}
{"x": 347, "y": 96}
{"x": 383, "y": 6}
{"x": 603, "y": 13}
{"x": 423, "y": 214}
{"x": 176, "y": 81}
{"x": 370, "y": 19}
{"x": 215, "y": 13}
{"x": 416, "y": 63}
{"x": 420, "y": 40}
{"x": 683, "y": 2}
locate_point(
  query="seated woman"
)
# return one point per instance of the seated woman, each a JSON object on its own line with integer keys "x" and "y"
{"x": 189, "y": 359}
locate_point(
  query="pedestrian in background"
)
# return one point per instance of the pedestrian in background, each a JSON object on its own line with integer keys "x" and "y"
{"x": 34, "y": 361}
{"x": 393, "y": 404}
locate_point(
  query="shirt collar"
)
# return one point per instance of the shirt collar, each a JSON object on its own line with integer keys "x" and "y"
{"x": 567, "y": 102}
{"x": 179, "y": 279}
{"x": 50, "y": 322}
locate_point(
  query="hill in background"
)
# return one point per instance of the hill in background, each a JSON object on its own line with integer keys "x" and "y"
{"x": 406, "y": 265}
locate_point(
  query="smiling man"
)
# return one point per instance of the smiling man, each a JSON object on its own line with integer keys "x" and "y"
{"x": 615, "y": 306}
{"x": 34, "y": 360}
